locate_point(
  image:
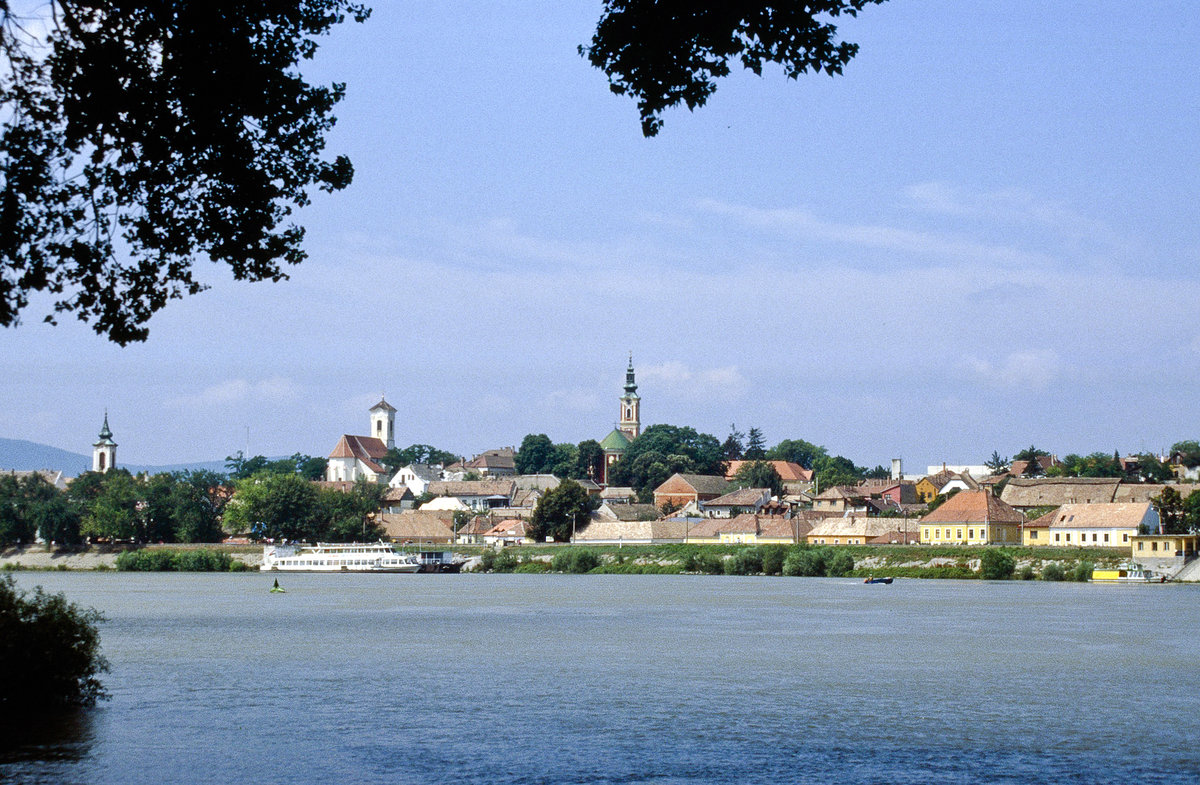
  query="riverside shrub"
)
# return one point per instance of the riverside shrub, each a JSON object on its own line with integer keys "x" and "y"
{"x": 806, "y": 563}
{"x": 575, "y": 560}
{"x": 772, "y": 559}
{"x": 1053, "y": 572}
{"x": 996, "y": 565}
{"x": 747, "y": 561}
{"x": 839, "y": 564}
{"x": 1082, "y": 572}
{"x": 167, "y": 560}
{"x": 49, "y": 651}
{"x": 708, "y": 563}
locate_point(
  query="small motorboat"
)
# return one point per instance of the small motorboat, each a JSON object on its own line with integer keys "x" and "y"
{"x": 877, "y": 580}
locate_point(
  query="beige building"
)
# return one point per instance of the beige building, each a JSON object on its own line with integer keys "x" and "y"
{"x": 1091, "y": 525}
{"x": 851, "y": 530}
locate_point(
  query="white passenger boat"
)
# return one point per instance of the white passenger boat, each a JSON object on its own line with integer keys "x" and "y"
{"x": 338, "y": 557}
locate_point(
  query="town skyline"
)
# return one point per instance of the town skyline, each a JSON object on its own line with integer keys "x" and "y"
{"x": 929, "y": 257}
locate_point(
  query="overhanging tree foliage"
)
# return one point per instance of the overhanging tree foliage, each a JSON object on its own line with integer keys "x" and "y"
{"x": 667, "y": 52}
{"x": 139, "y": 136}
{"x": 49, "y": 651}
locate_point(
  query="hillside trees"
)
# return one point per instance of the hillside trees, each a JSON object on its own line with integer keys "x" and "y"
{"x": 396, "y": 459}
{"x": 307, "y": 466}
{"x": 558, "y": 510}
{"x": 273, "y": 506}
{"x": 1097, "y": 464}
{"x": 756, "y": 448}
{"x": 759, "y": 474}
{"x": 796, "y": 451}
{"x": 1187, "y": 453}
{"x": 663, "y": 450}
{"x": 734, "y": 444}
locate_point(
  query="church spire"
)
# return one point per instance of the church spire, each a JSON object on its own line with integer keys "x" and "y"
{"x": 104, "y": 451}
{"x": 631, "y": 405}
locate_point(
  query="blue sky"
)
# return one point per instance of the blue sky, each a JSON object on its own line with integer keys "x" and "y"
{"x": 984, "y": 234}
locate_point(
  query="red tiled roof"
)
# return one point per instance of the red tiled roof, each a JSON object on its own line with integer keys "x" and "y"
{"x": 973, "y": 507}
{"x": 367, "y": 449}
{"x": 787, "y": 471}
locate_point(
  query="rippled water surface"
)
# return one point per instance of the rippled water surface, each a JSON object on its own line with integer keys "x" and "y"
{"x": 664, "y": 679}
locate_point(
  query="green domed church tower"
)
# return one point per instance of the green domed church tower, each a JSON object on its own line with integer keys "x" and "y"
{"x": 629, "y": 426}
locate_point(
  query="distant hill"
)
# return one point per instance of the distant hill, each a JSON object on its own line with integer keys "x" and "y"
{"x": 26, "y": 456}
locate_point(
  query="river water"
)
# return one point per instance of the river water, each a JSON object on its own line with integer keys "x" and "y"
{"x": 624, "y": 679}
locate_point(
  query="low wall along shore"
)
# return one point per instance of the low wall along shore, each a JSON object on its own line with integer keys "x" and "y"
{"x": 899, "y": 560}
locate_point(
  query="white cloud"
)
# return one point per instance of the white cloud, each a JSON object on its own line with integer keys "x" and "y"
{"x": 800, "y": 224}
{"x": 276, "y": 388}
{"x": 1033, "y": 369}
{"x": 1014, "y": 205}
{"x": 677, "y": 378}
{"x": 572, "y": 400}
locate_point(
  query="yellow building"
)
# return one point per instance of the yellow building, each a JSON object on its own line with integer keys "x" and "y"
{"x": 1163, "y": 546}
{"x": 972, "y": 518}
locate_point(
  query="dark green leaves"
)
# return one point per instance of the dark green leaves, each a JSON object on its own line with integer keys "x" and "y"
{"x": 142, "y": 136}
{"x": 668, "y": 52}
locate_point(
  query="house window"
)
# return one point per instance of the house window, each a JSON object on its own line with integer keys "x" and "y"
{"x": 958, "y": 534}
{"x": 1125, "y": 537}
{"x": 1033, "y": 534}
{"x": 1106, "y": 536}
{"x": 937, "y": 534}
{"x": 1154, "y": 546}
{"x": 1140, "y": 544}
{"x": 1057, "y": 536}
{"x": 1068, "y": 536}
{"x": 970, "y": 534}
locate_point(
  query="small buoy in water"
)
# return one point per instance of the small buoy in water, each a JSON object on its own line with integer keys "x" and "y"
{"x": 277, "y": 589}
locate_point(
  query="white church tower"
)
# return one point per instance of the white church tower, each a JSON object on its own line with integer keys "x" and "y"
{"x": 383, "y": 423}
{"x": 104, "y": 452}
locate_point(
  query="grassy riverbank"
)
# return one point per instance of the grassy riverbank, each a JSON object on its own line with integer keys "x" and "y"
{"x": 901, "y": 561}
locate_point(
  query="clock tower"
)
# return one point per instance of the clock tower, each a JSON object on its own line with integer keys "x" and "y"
{"x": 631, "y": 405}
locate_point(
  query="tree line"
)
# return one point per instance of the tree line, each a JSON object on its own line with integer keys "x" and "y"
{"x": 663, "y": 450}
{"x": 263, "y": 498}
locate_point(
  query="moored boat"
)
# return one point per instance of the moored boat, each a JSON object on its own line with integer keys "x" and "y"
{"x": 1130, "y": 572}
{"x": 877, "y": 580}
{"x": 338, "y": 557}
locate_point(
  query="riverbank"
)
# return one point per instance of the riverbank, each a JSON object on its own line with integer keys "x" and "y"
{"x": 901, "y": 561}
{"x": 104, "y": 557}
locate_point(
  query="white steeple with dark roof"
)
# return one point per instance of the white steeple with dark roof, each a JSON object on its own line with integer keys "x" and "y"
{"x": 104, "y": 451}
{"x": 383, "y": 423}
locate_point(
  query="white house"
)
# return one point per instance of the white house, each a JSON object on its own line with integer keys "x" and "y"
{"x": 416, "y": 477}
